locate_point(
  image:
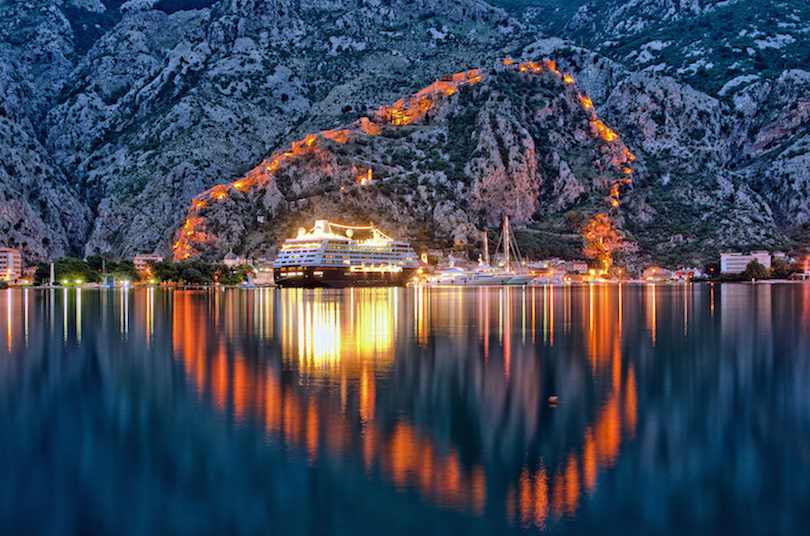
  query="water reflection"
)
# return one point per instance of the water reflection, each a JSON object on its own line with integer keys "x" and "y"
{"x": 440, "y": 394}
{"x": 340, "y": 351}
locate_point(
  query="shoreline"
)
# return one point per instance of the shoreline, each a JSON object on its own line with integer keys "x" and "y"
{"x": 418, "y": 285}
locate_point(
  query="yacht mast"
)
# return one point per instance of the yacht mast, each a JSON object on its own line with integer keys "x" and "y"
{"x": 486, "y": 249}
{"x": 506, "y": 241}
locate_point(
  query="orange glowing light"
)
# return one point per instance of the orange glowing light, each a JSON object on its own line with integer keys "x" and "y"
{"x": 508, "y": 61}
{"x": 567, "y": 79}
{"x": 338, "y": 135}
{"x": 552, "y": 65}
{"x": 365, "y": 125}
{"x": 586, "y": 102}
{"x": 603, "y": 131}
{"x": 239, "y": 185}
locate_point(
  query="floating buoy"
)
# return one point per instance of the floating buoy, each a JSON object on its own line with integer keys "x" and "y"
{"x": 552, "y": 401}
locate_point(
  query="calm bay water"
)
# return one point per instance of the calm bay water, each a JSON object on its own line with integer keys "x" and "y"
{"x": 682, "y": 409}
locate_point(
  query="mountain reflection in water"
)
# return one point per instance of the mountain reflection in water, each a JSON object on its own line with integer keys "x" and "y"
{"x": 682, "y": 408}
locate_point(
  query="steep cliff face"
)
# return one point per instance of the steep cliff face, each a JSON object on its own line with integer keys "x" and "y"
{"x": 716, "y": 174}
{"x": 40, "y": 212}
{"x": 722, "y": 163}
{"x": 772, "y": 152}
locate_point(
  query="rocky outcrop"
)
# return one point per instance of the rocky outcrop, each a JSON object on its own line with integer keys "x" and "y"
{"x": 40, "y": 214}
{"x": 617, "y": 19}
{"x": 505, "y": 142}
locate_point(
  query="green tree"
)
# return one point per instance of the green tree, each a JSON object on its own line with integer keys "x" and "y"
{"x": 125, "y": 271}
{"x": 165, "y": 271}
{"x": 232, "y": 276}
{"x": 72, "y": 269}
{"x": 603, "y": 240}
{"x": 196, "y": 272}
{"x": 99, "y": 264}
{"x": 755, "y": 270}
{"x": 43, "y": 274}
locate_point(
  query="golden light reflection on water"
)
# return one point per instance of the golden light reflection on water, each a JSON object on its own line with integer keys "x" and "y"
{"x": 355, "y": 375}
{"x": 348, "y": 340}
{"x": 340, "y": 335}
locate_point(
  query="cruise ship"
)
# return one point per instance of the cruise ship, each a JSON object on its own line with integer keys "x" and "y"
{"x": 356, "y": 257}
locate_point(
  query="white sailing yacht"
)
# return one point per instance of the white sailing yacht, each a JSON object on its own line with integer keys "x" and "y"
{"x": 510, "y": 249}
{"x": 484, "y": 274}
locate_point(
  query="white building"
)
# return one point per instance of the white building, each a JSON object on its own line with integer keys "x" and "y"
{"x": 735, "y": 263}
{"x": 142, "y": 260}
{"x": 10, "y": 264}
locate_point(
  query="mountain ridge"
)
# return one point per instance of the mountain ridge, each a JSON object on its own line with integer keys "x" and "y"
{"x": 163, "y": 106}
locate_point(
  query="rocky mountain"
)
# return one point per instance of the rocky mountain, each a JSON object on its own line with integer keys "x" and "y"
{"x": 115, "y": 115}
{"x": 717, "y": 46}
{"x": 163, "y": 106}
{"x": 525, "y": 141}
{"x": 436, "y": 167}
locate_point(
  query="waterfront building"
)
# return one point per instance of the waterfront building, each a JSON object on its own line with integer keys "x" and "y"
{"x": 735, "y": 262}
{"x": 685, "y": 274}
{"x": 576, "y": 267}
{"x": 432, "y": 256}
{"x": 142, "y": 260}
{"x": 10, "y": 264}
{"x": 263, "y": 274}
{"x": 656, "y": 273}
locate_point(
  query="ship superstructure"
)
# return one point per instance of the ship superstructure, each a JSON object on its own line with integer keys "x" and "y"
{"x": 358, "y": 256}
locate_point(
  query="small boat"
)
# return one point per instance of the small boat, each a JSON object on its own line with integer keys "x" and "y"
{"x": 455, "y": 276}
